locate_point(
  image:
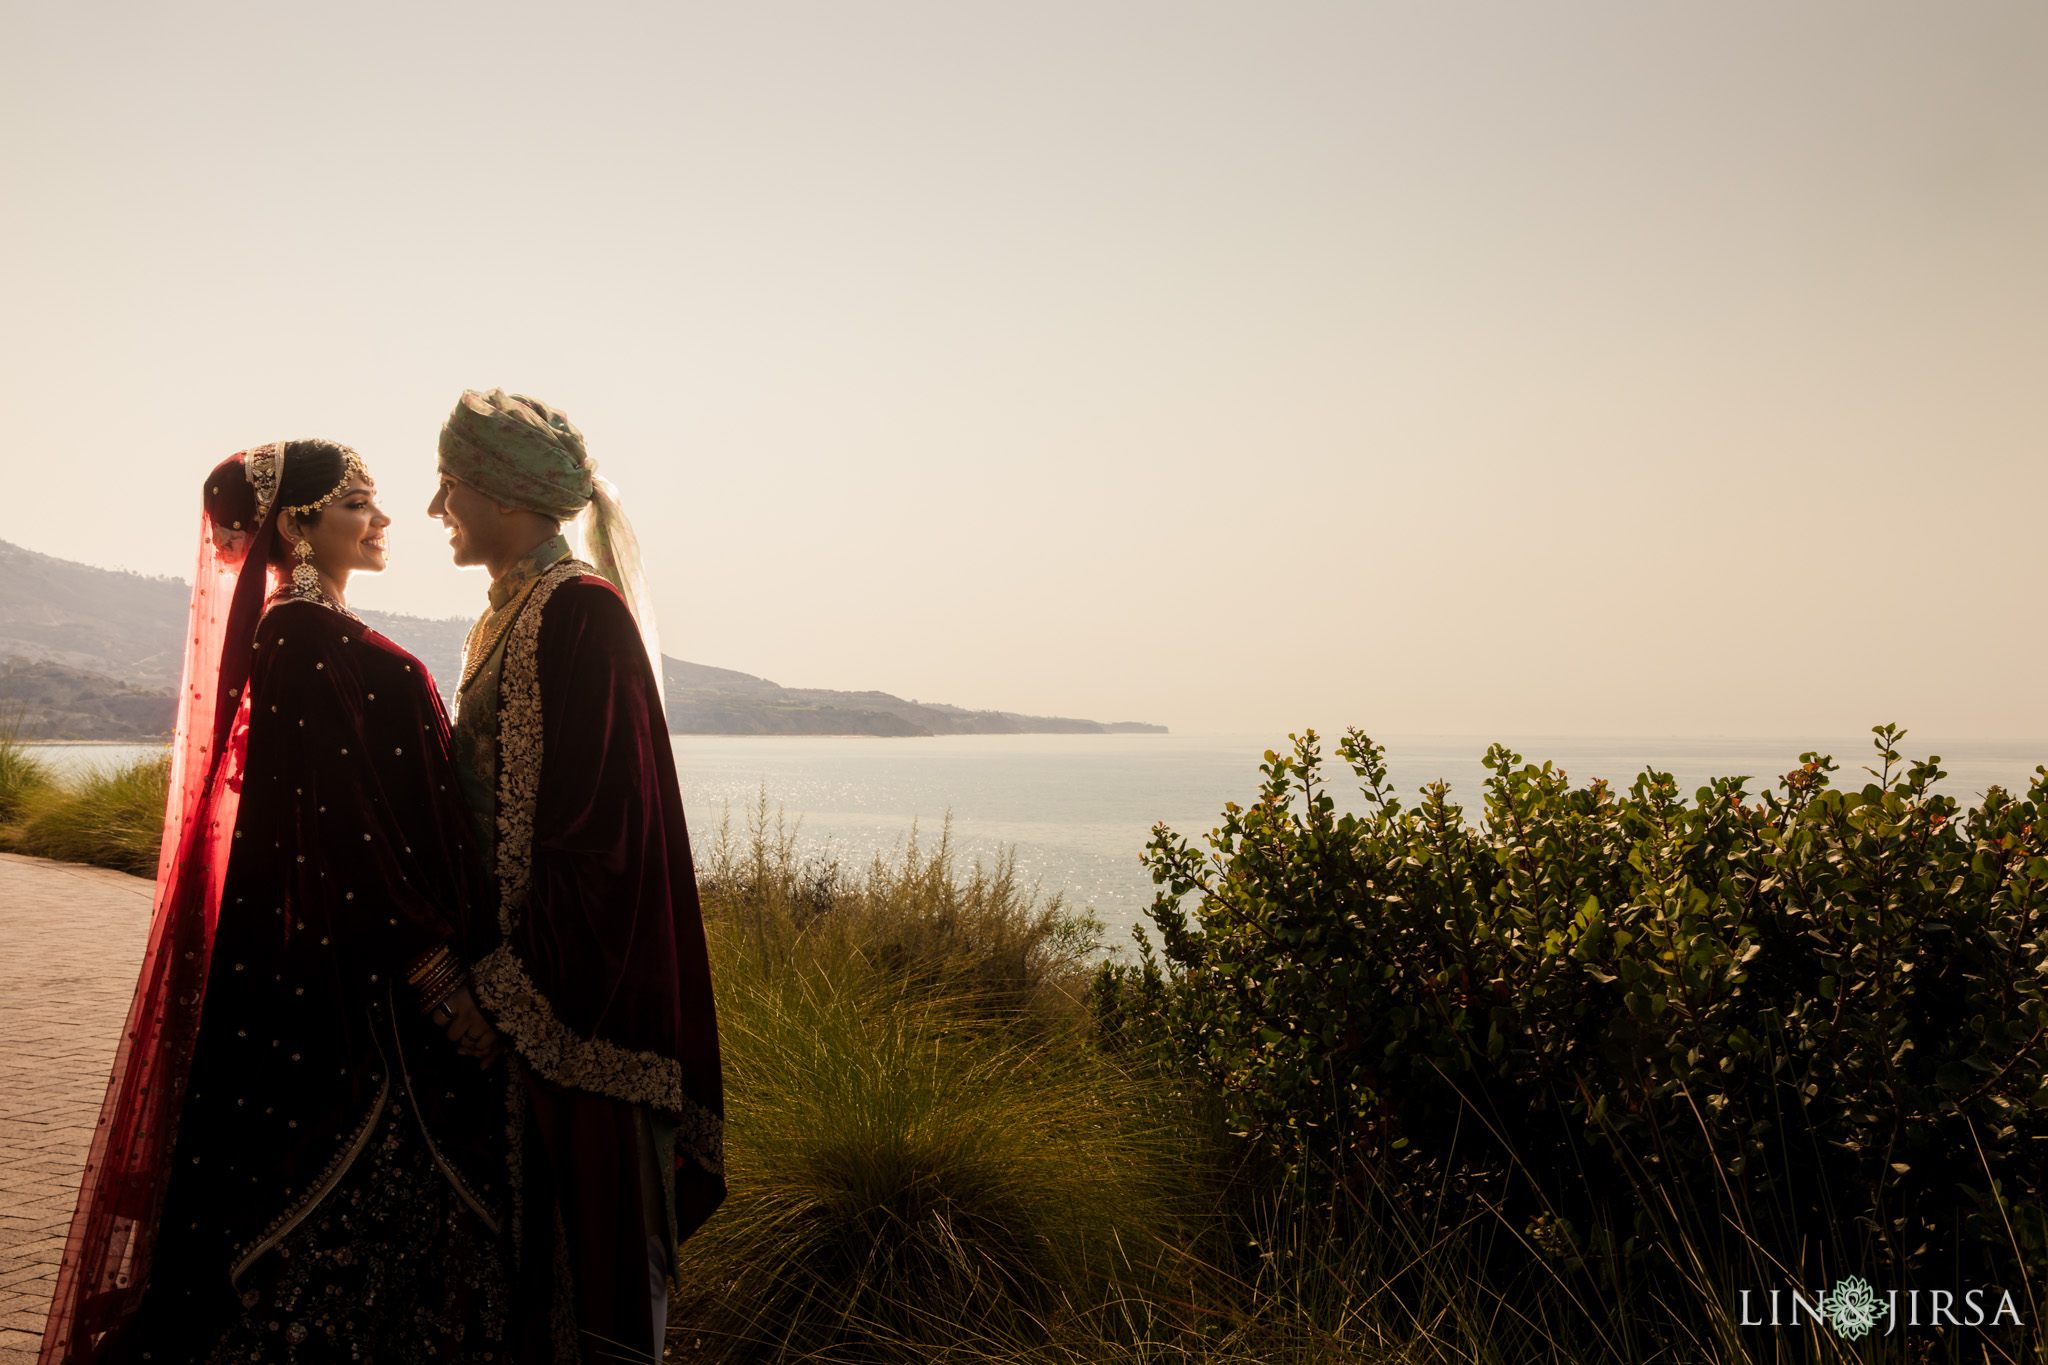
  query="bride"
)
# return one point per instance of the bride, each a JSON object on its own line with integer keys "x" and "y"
{"x": 293, "y": 1163}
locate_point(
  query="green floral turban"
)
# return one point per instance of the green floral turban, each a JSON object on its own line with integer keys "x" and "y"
{"x": 518, "y": 452}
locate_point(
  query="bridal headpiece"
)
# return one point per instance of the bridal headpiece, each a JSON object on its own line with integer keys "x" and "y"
{"x": 265, "y": 466}
{"x": 233, "y": 524}
{"x": 352, "y": 468}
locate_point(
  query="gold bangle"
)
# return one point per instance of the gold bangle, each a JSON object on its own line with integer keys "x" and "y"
{"x": 445, "y": 973}
{"x": 428, "y": 965}
{"x": 454, "y": 984}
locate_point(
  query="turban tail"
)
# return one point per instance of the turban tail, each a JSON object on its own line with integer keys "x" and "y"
{"x": 615, "y": 552}
{"x": 519, "y": 452}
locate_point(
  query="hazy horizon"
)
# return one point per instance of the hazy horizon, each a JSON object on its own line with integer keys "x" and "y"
{"x": 1841, "y": 743}
{"x": 1582, "y": 370}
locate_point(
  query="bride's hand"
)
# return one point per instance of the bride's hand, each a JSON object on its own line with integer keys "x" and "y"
{"x": 471, "y": 1033}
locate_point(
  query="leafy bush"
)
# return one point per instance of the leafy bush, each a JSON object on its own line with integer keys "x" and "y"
{"x": 109, "y": 816}
{"x": 1758, "y": 1038}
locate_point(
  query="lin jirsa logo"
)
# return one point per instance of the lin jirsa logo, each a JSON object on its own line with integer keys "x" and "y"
{"x": 1852, "y": 1308}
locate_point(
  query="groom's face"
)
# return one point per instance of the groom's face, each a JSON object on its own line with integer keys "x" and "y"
{"x": 470, "y": 517}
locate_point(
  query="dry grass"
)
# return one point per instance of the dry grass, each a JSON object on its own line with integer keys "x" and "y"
{"x": 108, "y": 816}
{"x": 23, "y": 778}
{"x": 926, "y": 1159}
{"x": 918, "y": 920}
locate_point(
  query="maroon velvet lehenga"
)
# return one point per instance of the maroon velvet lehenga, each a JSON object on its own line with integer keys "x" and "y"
{"x": 292, "y": 1164}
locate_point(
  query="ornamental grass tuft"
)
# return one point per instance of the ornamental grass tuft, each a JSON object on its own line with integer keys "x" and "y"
{"x": 111, "y": 817}
{"x": 922, "y": 1165}
{"x": 902, "y": 1183}
{"x": 23, "y": 778}
{"x": 918, "y": 920}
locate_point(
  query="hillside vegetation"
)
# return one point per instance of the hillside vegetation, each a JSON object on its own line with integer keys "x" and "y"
{"x": 720, "y": 701}
{"x": 40, "y": 700}
{"x": 107, "y": 631}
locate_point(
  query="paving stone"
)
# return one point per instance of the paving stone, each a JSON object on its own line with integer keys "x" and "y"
{"x": 74, "y": 939}
{"x": 10, "y": 1354}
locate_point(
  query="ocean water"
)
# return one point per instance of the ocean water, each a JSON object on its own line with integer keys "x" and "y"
{"x": 1078, "y": 809}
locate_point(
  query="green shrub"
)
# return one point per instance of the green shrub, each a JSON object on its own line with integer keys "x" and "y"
{"x": 112, "y": 817}
{"x": 1755, "y": 1039}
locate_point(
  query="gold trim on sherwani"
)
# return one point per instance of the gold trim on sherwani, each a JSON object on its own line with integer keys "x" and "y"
{"x": 554, "y": 1050}
{"x": 519, "y": 741}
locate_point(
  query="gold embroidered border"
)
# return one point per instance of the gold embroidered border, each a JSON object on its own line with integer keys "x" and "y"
{"x": 519, "y": 746}
{"x": 474, "y": 659}
{"x": 322, "y": 1187}
{"x": 559, "y": 1054}
{"x": 701, "y": 1134}
{"x": 454, "y": 1177}
{"x": 520, "y": 1011}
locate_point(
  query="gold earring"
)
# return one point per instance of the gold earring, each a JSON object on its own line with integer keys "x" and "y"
{"x": 305, "y": 578}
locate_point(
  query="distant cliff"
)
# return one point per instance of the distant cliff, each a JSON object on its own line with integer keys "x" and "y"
{"x": 131, "y": 627}
{"x": 44, "y": 700}
{"x": 718, "y": 701}
{"x": 96, "y": 653}
{"x": 120, "y": 625}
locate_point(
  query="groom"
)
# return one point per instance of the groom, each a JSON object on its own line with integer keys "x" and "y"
{"x": 600, "y": 984}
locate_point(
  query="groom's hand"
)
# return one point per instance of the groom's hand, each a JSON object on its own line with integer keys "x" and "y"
{"x": 471, "y": 1033}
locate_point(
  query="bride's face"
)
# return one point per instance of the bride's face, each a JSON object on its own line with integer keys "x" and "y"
{"x": 349, "y": 536}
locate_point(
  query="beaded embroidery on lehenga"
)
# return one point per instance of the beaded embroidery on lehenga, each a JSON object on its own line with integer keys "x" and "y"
{"x": 392, "y": 1256}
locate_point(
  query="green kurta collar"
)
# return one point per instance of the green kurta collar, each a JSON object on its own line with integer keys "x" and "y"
{"x": 529, "y": 566}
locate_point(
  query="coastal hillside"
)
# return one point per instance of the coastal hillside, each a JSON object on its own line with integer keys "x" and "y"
{"x": 43, "y": 700}
{"x": 103, "y": 621}
{"x": 719, "y": 701}
{"x": 90, "y": 653}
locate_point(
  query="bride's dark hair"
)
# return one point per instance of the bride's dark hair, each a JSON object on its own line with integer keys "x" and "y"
{"x": 311, "y": 469}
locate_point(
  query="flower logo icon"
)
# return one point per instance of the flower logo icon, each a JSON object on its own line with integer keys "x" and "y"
{"x": 1852, "y": 1307}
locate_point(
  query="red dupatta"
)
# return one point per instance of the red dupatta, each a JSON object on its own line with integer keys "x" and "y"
{"x": 120, "y": 1199}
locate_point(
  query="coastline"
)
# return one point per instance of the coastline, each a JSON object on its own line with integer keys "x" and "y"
{"x": 148, "y": 741}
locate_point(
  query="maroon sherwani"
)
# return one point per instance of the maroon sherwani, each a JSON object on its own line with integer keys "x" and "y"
{"x": 600, "y": 983}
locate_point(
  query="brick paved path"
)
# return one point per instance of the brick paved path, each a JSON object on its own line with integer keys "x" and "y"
{"x": 71, "y": 941}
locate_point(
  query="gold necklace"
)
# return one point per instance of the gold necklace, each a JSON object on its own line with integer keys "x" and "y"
{"x": 285, "y": 594}
{"x": 497, "y": 621}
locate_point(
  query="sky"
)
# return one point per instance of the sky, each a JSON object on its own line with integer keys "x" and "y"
{"x": 1461, "y": 368}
